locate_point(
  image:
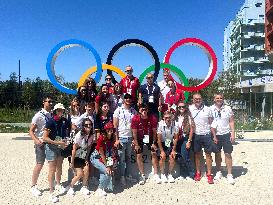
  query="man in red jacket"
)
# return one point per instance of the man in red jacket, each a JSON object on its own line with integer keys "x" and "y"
{"x": 130, "y": 85}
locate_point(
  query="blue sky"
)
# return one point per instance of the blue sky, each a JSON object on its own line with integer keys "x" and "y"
{"x": 30, "y": 29}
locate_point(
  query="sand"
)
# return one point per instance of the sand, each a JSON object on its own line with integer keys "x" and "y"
{"x": 252, "y": 170}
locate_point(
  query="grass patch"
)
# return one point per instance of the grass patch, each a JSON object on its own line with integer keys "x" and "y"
{"x": 13, "y": 129}
{"x": 16, "y": 115}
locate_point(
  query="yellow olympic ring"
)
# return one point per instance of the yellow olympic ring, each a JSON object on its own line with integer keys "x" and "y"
{"x": 93, "y": 69}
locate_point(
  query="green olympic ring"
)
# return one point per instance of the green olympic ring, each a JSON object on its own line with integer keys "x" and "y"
{"x": 174, "y": 69}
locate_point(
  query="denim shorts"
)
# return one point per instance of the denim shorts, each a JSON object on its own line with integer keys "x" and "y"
{"x": 204, "y": 141}
{"x": 225, "y": 143}
{"x": 40, "y": 153}
{"x": 52, "y": 152}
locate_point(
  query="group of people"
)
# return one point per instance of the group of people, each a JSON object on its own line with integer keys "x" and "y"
{"x": 103, "y": 129}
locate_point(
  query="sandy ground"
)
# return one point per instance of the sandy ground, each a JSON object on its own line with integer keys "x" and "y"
{"x": 252, "y": 170}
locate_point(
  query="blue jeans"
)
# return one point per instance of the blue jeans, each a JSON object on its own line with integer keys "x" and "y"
{"x": 105, "y": 179}
{"x": 124, "y": 155}
{"x": 186, "y": 162}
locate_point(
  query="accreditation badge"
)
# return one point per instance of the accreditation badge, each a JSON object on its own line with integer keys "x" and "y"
{"x": 146, "y": 139}
{"x": 109, "y": 161}
{"x": 168, "y": 143}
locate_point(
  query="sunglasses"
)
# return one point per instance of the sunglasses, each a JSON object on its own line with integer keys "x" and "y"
{"x": 77, "y": 105}
{"x": 183, "y": 106}
{"x": 170, "y": 85}
{"x": 144, "y": 109}
{"x": 128, "y": 71}
{"x": 83, "y": 90}
{"x": 108, "y": 78}
{"x": 149, "y": 77}
{"x": 167, "y": 117}
{"x": 87, "y": 125}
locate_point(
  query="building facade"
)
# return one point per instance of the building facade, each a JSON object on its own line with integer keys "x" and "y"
{"x": 269, "y": 29}
{"x": 244, "y": 53}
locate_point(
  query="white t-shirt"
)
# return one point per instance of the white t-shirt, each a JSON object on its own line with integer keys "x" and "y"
{"x": 164, "y": 88}
{"x": 166, "y": 132}
{"x": 221, "y": 119}
{"x": 74, "y": 118}
{"x": 124, "y": 117}
{"x": 82, "y": 141}
{"x": 201, "y": 119}
{"x": 40, "y": 119}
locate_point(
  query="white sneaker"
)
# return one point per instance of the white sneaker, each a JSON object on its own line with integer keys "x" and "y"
{"x": 53, "y": 198}
{"x": 35, "y": 191}
{"x": 170, "y": 178}
{"x": 70, "y": 192}
{"x": 142, "y": 179}
{"x": 95, "y": 181}
{"x": 60, "y": 189}
{"x": 101, "y": 192}
{"x": 84, "y": 190}
{"x": 164, "y": 178}
{"x": 218, "y": 175}
{"x": 230, "y": 179}
{"x": 123, "y": 181}
{"x": 157, "y": 179}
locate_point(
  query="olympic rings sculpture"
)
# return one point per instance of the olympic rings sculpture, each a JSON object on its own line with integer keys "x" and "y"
{"x": 59, "y": 48}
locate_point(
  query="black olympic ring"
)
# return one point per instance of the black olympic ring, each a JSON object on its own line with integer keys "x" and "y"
{"x": 137, "y": 42}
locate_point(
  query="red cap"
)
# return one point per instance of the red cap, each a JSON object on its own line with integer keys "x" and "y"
{"x": 108, "y": 125}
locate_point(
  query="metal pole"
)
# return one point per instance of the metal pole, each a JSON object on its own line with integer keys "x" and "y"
{"x": 20, "y": 75}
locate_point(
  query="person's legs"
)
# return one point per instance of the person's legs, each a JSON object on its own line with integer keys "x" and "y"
{"x": 208, "y": 163}
{"x": 228, "y": 160}
{"x": 155, "y": 162}
{"x": 85, "y": 175}
{"x": 140, "y": 163}
{"x": 122, "y": 156}
{"x": 128, "y": 153}
{"x": 162, "y": 165}
{"x": 79, "y": 174}
{"x": 171, "y": 164}
{"x": 197, "y": 156}
{"x": 40, "y": 159}
{"x": 51, "y": 171}
{"x": 59, "y": 169}
{"x": 105, "y": 179}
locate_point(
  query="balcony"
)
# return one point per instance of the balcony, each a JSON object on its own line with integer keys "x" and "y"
{"x": 247, "y": 60}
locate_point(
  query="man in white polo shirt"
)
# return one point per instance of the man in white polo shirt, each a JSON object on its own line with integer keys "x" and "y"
{"x": 36, "y": 133}
{"x": 223, "y": 125}
{"x": 202, "y": 138}
{"x": 122, "y": 123}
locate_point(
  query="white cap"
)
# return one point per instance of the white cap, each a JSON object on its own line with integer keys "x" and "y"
{"x": 59, "y": 106}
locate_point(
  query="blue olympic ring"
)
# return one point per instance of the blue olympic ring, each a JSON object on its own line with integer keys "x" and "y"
{"x": 56, "y": 51}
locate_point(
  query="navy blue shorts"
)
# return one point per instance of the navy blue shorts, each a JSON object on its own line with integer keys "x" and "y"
{"x": 203, "y": 141}
{"x": 225, "y": 143}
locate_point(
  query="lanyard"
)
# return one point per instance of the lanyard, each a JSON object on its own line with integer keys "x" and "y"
{"x": 46, "y": 118}
{"x": 124, "y": 117}
{"x": 108, "y": 149}
{"x": 164, "y": 127}
{"x": 149, "y": 90}
{"x": 131, "y": 82}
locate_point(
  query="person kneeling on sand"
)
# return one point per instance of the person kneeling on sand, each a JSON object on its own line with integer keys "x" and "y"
{"x": 104, "y": 158}
{"x": 80, "y": 156}
{"x": 167, "y": 134}
{"x": 144, "y": 132}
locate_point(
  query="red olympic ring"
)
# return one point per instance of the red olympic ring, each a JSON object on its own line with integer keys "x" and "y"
{"x": 211, "y": 56}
